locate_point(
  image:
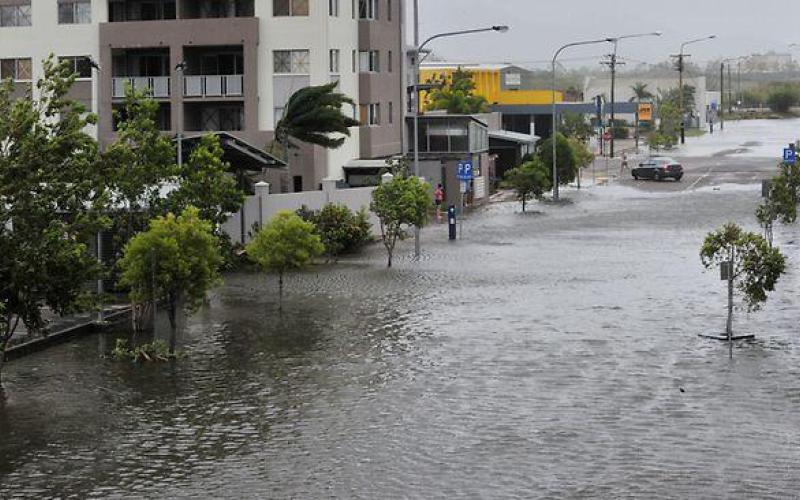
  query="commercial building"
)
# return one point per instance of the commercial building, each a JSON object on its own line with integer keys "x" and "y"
{"x": 223, "y": 66}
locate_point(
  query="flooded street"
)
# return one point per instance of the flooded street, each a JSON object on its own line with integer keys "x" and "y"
{"x": 546, "y": 355}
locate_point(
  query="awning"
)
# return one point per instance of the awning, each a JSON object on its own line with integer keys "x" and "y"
{"x": 505, "y": 135}
{"x": 366, "y": 164}
{"x": 240, "y": 154}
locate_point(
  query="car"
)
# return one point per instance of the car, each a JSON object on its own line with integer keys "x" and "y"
{"x": 658, "y": 168}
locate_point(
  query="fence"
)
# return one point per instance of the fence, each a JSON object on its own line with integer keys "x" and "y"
{"x": 259, "y": 209}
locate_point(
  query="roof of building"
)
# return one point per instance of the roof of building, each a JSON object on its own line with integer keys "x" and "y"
{"x": 434, "y": 65}
{"x": 239, "y": 153}
{"x": 506, "y": 135}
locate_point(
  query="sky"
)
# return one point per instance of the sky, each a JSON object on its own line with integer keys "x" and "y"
{"x": 539, "y": 27}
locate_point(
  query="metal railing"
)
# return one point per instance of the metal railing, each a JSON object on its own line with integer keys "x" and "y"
{"x": 213, "y": 86}
{"x": 159, "y": 85}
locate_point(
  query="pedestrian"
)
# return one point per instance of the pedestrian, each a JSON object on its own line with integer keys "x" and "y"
{"x": 439, "y": 201}
{"x": 624, "y": 165}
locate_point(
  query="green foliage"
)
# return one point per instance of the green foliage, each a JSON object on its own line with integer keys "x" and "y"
{"x": 286, "y": 242}
{"x": 567, "y": 163}
{"x": 206, "y": 184}
{"x": 402, "y": 202}
{"x": 781, "y": 205}
{"x": 781, "y": 100}
{"x": 756, "y": 267}
{"x": 48, "y": 167}
{"x": 583, "y": 155}
{"x": 575, "y": 125}
{"x": 669, "y": 127}
{"x": 640, "y": 92}
{"x": 313, "y": 115}
{"x": 340, "y": 230}
{"x": 176, "y": 261}
{"x": 671, "y": 97}
{"x": 157, "y": 351}
{"x": 621, "y": 129}
{"x": 457, "y": 95}
{"x": 531, "y": 179}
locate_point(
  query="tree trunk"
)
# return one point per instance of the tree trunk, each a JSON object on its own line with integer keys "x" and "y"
{"x": 280, "y": 291}
{"x": 173, "y": 323}
{"x": 729, "y": 327}
{"x": 523, "y": 204}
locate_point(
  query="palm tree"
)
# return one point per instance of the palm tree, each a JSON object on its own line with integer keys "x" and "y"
{"x": 640, "y": 92}
{"x": 311, "y": 115}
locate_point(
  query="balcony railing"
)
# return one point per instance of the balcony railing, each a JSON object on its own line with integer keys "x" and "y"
{"x": 159, "y": 85}
{"x": 213, "y": 86}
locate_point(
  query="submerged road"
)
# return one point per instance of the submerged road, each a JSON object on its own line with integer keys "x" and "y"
{"x": 553, "y": 354}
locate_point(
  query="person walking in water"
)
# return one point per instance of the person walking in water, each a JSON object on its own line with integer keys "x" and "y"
{"x": 624, "y": 165}
{"x": 439, "y": 201}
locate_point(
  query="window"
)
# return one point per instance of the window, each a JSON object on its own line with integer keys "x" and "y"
{"x": 15, "y": 15}
{"x": 389, "y": 11}
{"x": 295, "y": 62}
{"x": 221, "y": 118}
{"x": 75, "y": 12}
{"x": 333, "y": 8}
{"x": 79, "y": 65}
{"x": 19, "y": 70}
{"x": 368, "y": 9}
{"x": 290, "y": 7}
{"x": 141, "y": 10}
{"x": 391, "y": 62}
{"x": 334, "y": 61}
{"x": 391, "y": 112}
{"x": 370, "y": 114}
{"x": 354, "y": 61}
{"x": 369, "y": 61}
{"x": 278, "y": 115}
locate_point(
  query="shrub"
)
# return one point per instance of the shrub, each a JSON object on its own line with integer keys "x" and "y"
{"x": 782, "y": 100}
{"x": 621, "y": 129}
{"x": 340, "y": 230}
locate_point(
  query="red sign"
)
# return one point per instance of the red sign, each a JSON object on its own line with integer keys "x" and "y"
{"x": 606, "y": 135}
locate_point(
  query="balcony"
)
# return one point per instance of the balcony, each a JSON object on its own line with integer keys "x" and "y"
{"x": 159, "y": 86}
{"x": 213, "y": 86}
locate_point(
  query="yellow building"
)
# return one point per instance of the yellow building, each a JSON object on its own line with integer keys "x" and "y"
{"x": 500, "y": 85}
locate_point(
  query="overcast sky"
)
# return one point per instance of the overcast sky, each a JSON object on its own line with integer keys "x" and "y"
{"x": 539, "y": 27}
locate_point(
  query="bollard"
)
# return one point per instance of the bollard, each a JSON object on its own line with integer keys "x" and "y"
{"x": 451, "y": 222}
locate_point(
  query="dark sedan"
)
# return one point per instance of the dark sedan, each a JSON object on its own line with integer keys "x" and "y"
{"x": 658, "y": 169}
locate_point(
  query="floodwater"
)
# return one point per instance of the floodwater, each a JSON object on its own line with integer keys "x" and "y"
{"x": 547, "y": 355}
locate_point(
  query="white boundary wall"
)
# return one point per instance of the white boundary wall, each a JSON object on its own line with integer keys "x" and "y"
{"x": 262, "y": 207}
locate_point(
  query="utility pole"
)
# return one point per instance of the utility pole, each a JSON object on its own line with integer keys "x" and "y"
{"x": 613, "y": 63}
{"x": 730, "y": 91}
{"x": 722, "y": 95}
{"x": 680, "y": 57}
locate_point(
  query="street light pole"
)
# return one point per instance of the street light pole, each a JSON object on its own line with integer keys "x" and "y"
{"x": 416, "y": 107}
{"x": 681, "y": 57}
{"x": 181, "y": 66}
{"x": 613, "y": 64}
{"x": 99, "y": 243}
{"x": 553, "y": 137}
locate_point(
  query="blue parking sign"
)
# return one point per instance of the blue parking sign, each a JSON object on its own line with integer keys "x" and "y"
{"x": 465, "y": 170}
{"x": 789, "y": 156}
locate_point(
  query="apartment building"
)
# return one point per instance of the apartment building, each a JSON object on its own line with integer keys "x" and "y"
{"x": 223, "y": 65}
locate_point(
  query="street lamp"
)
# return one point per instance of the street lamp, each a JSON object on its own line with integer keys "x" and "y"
{"x": 613, "y": 65}
{"x": 555, "y": 121}
{"x": 681, "y": 55}
{"x": 417, "y": 51}
{"x": 181, "y": 66}
{"x": 99, "y": 243}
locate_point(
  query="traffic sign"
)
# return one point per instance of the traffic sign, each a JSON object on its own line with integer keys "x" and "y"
{"x": 789, "y": 156}
{"x": 465, "y": 172}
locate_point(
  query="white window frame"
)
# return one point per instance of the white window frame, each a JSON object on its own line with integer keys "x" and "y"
{"x": 368, "y": 10}
{"x": 17, "y": 61}
{"x": 391, "y": 112}
{"x": 334, "y": 61}
{"x": 333, "y": 8}
{"x": 76, "y": 6}
{"x": 292, "y": 9}
{"x": 295, "y": 58}
{"x": 369, "y": 61}
{"x": 390, "y": 62}
{"x": 373, "y": 112}
{"x": 19, "y": 12}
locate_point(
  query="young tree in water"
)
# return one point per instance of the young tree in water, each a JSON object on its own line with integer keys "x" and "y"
{"x": 400, "y": 203}
{"x": 781, "y": 202}
{"x": 52, "y": 195}
{"x": 755, "y": 268}
{"x": 287, "y": 242}
{"x": 530, "y": 180}
{"x": 176, "y": 262}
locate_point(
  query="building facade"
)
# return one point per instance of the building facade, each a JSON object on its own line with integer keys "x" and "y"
{"x": 223, "y": 65}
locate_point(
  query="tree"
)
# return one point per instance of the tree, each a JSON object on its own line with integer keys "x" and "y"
{"x": 755, "y": 267}
{"x": 567, "y": 165}
{"x": 781, "y": 203}
{"x": 313, "y": 115}
{"x": 575, "y": 125}
{"x": 531, "y": 179}
{"x": 205, "y": 183}
{"x": 669, "y": 127}
{"x": 339, "y": 229}
{"x": 52, "y": 194}
{"x": 583, "y": 155}
{"x": 176, "y": 261}
{"x": 286, "y": 242}
{"x": 139, "y": 163}
{"x": 672, "y": 97}
{"x": 640, "y": 92}
{"x": 457, "y": 94}
{"x": 400, "y": 203}
{"x": 781, "y": 100}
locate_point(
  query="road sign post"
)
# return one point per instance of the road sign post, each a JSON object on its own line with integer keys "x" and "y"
{"x": 789, "y": 156}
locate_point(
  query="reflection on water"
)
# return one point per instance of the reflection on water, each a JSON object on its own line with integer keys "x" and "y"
{"x": 542, "y": 357}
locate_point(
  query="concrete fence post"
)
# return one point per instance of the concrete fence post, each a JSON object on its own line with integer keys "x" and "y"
{"x": 262, "y": 191}
{"x": 387, "y": 178}
{"x": 328, "y": 187}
